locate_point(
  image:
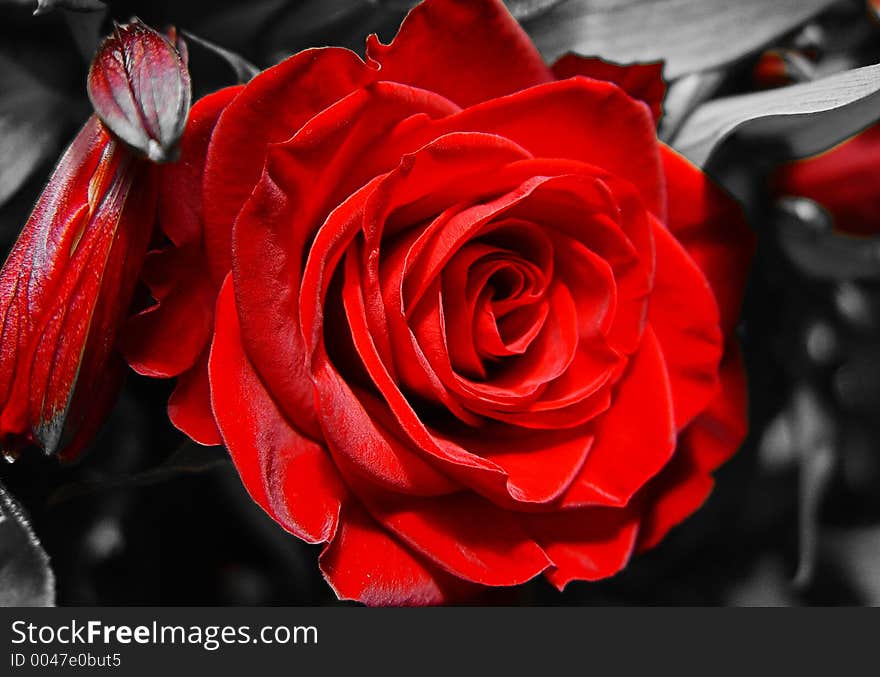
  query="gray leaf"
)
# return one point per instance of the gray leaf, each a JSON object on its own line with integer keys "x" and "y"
{"x": 31, "y": 120}
{"x": 690, "y": 35}
{"x": 25, "y": 576}
{"x": 808, "y": 118}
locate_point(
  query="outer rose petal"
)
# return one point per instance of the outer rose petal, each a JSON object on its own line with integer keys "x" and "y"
{"x": 172, "y": 336}
{"x": 189, "y": 406}
{"x": 270, "y": 109}
{"x": 713, "y": 437}
{"x": 482, "y": 51}
{"x": 462, "y": 533}
{"x": 642, "y": 81}
{"x": 366, "y": 564}
{"x": 684, "y": 316}
{"x": 299, "y": 188}
{"x": 167, "y": 338}
{"x": 588, "y": 544}
{"x": 289, "y": 475}
{"x": 710, "y": 225}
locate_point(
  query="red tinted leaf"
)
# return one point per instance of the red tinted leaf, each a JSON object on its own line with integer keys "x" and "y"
{"x": 140, "y": 88}
{"x": 66, "y": 287}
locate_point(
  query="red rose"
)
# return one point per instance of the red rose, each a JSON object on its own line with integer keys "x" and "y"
{"x": 844, "y": 180}
{"x": 475, "y": 324}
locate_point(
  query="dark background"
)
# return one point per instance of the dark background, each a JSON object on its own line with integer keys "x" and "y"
{"x": 148, "y": 518}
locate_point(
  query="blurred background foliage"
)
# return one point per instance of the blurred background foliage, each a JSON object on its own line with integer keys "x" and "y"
{"x": 148, "y": 518}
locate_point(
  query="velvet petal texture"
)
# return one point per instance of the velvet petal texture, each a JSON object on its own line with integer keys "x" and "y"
{"x": 171, "y": 337}
{"x": 477, "y": 321}
{"x": 65, "y": 289}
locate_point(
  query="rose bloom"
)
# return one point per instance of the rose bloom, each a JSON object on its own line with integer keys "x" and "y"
{"x": 456, "y": 314}
{"x": 844, "y": 180}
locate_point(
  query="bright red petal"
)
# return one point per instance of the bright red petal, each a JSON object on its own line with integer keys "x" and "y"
{"x": 585, "y": 545}
{"x": 467, "y": 50}
{"x": 684, "y": 316}
{"x": 291, "y": 476}
{"x": 463, "y": 534}
{"x": 366, "y": 564}
{"x": 710, "y": 225}
{"x": 642, "y": 81}
{"x": 270, "y": 109}
{"x": 189, "y": 406}
{"x": 635, "y": 438}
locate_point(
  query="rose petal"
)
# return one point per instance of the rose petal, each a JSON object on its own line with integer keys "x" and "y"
{"x": 844, "y": 180}
{"x": 306, "y": 178}
{"x": 167, "y": 338}
{"x": 483, "y": 51}
{"x": 716, "y": 434}
{"x": 291, "y": 477}
{"x": 635, "y": 438}
{"x": 463, "y": 534}
{"x": 710, "y": 226}
{"x": 684, "y": 316}
{"x": 271, "y": 108}
{"x": 189, "y": 406}
{"x": 548, "y": 121}
{"x": 585, "y": 545}
{"x": 673, "y": 495}
{"x": 180, "y": 183}
{"x": 366, "y": 564}
{"x": 642, "y": 81}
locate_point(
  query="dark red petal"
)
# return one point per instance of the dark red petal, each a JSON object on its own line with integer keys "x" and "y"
{"x": 100, "y": 402}
{"x": 139, "y": 86}
{"x": 718, "y": 432}
{"x": 467, "y": 50}
{"x": 635, "y": 438}
{"x": 844, "y": 180}
{"x": 292, "y": 477}
{"x": 167, "y": 338}
{"x": 684, "y": 316}
{"x": 585, "y": 545}
{"x": 180, "y": 183}
{"x": 463, "y": 534}
{"x": 710, "y": 226}
{"x": 642, "y": 81}
{"x": 366, "y": 564}
{"x": 189, "y": 406}
{"x": 66, "y": 286}
{"x": 672, "y": 496}
{"x": 271, "y": 108}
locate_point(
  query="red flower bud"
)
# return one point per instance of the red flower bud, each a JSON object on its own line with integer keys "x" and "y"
{"x": 140, "y": 88}
{"x": 64, "y": 290}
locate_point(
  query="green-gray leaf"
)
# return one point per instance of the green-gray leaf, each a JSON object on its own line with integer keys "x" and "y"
{"x": 25, "y": 576}
{"x": 690, "y": 35}
{"x": 31, "y": 120}
{"x": 807, "y": 118}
